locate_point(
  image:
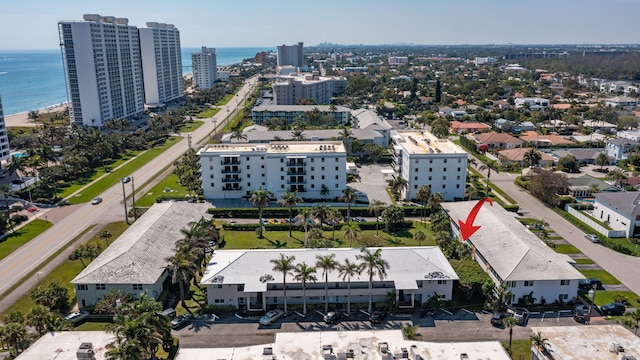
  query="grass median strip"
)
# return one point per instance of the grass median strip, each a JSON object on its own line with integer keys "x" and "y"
{"x": 566, "y": 249}
{"x": 603, "y": 275}
{"x": 22, "y": 236}
{"x": 584, "y": 261}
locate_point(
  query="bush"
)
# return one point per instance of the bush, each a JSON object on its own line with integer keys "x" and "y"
{"x": 512, "y": 208}
{"x": 18, "y": 219}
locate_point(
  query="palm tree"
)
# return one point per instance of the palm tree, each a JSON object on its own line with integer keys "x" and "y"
{"x": 423, "y": 195}
{"x": 509, "y": 322}
{"x": 16, "y": 165}
{"x": 349, "y": 196}
{"x": 5, "y": 189}
{"x": 539, "y": 341}
{"x": 410, "y": 332}
{"x": 376, "y": 207}
{"x": 470, "y": 192}
{"x": 324, "y": 191}
{"x": 398, "y": 185}
{"x": 334, "y": 216}
{"x": 490, "y": 165}
{"x": 38, "y": 318}
{"x": 238, "y": 135}
{"x": 260, "y": 199}
{"x": 289, "y": 199}
{"x": 33, "y": 116}
{"x": 320, "y": 212}
{"x": 347, "y": 271}
{"x": 373, "y": 264}
{"x": 346, "y": 135}
{"x": 601, "y": 160}
{"x": 532, "y": 158}
{"x": 182, "y": 268}
{"x": 304, "y": 215}
{"x": 351, "y": 231}
{"x": 15, "y": 334}
{"x": 284, "y": 265}
{"x": 304, "y": 273}
{"x": 327, "y": 263}
{"x": 419, "y": 236}
{"x": 298, "y": 134}
{"x": 105, "y": 235}
{"x": 124, "y": 350}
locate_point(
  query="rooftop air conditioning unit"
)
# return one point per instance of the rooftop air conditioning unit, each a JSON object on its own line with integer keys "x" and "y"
{"x": 85, "y": 352}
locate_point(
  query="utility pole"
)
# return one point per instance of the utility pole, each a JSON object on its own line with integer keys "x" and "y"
{"x": 189, "y": 141}
{"x": 124, "y": 197}
{"x": 133, "y": 196}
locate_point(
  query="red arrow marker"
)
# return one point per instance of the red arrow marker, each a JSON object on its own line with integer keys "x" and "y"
{"x": 467, "y": 228}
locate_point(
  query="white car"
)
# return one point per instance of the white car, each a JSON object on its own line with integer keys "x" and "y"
{"x": 76, "y": 316}
{"x": 271, "y": 317}
{"x": 96, "y": 201}
{"x": 593, "y": 238}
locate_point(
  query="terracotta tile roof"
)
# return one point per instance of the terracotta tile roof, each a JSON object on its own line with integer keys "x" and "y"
{"x": 468, "y": 125}
{"x": 517, "y": 154}
{"x": 532, "y": 136}
{"x": 494, "y": 137}
{"x": 561, "y": 106}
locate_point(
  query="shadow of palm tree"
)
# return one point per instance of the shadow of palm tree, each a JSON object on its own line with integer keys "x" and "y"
{"x": 394, "y": 242}
{"x": 277, "y": 244}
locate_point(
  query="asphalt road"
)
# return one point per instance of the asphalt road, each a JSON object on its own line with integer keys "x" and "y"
{"x": 624, "y": 267}
{"x": 31, "y": 255}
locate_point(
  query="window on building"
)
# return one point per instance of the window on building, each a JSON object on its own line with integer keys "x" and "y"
{"x": 442, "y": 282}
{"x": 336, "y": 186}
{"x": 322, "y": 159}
{"x": 459, "y": 161}
{"x": 528, "y": 283}
{"x": 430, "y": 169}
{"x": 211, "y": 176}
{"x": 337, "y": 177}
{"x": 249, "y": 184}
{"x": 563, "y": 296}
{"x": 444, "y": 169}
{"x": 313, "y": 177}
{"x": 415, "y": 178}
{"x": 281, "y": 169}
{"x": 213, "y": 185}
{"x": 415, "y": 186}
{"x": 336, "y": 159}
{"x": 281, "y": 186}
{"x": 322, "y": 177}
{"x": 281, "y": 160}
{"x": 458, "y": 177}
{"x": 416, "y": 170}
{"x": 457, "y": 186}
{"x": 101, "y": 287}
{"x": 261, "y": 157}
{"x": 336, "y": 168}
{"x": 444, "y": 177}
{"x": 281, "y": 177}
{"x": 430, "y": 178}
{"x": 565, "y": 282}
{"x": 445, "y": 161}
{"x": 458, "y": 169}
{"x": 312, "y": 159}
{"x": 430, "y": 161}
{"x": 82, "y": 287}
{"x": 210, "y": 167}
{"x": 313, "y": 168}
{"x": 262, "y": 166}
{"x": 137, "y": 287}
{"x": 248, "y": 167}
{"x": 511, "y": 284}
{"x": 247, "y": 158}
{"x": 313, "y": 186}
{"x": 248, "y": 176}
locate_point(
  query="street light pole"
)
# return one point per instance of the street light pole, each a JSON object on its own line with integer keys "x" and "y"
{"x": 124, "y": 196}
{"x": 133, "y": 197}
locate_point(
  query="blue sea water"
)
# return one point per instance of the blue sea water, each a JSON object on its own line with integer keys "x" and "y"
{"x": 34, "y": 79}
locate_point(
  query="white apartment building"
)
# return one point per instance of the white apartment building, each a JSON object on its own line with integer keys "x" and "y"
{"x": 101, "y": 56}
{"x": 423, "y": 159}
{"x": 222, "y": 74}
{"x": 291, "y": 55}
{"x": 246, "y": 279}
{"x": 484, "y": 60}
{"x": 233, "y": 171}
{"x": 620, "y": 210}
{"x": 535, "y": 104}
{"x": 398, "y": 60}
{"x": 289, "y": 89}
{"x": 161, "y": 63}
{"x": 623, "y": 102}
{"x": 290, "y": 113}
{"x": 204, "y": 68}
{"x": 4, "y": 138}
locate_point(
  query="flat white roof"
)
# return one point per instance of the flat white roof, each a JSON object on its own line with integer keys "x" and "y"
{"x": 588, "y": 342}
{"x": 63, "y": 345}
{"x": 415, "y": 142}
{"x": 287, "y": 147}
{"x": 365, "y": 345}
{"x": 512, "y": 251}
{"x": 254, "y": 268}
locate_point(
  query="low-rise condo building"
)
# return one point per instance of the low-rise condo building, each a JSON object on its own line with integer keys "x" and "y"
{"x": 291, "y": 88}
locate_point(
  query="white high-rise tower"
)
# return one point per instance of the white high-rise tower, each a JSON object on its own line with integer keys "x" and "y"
{"x": 161, "y": 63}
{"x": 101, "y": 55}
{"x": 204, "y": 68}
{"x": 4, "y": 139}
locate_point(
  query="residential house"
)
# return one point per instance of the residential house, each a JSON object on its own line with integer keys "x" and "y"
{"x": 587, "y": 185}
{"x": 498, "y": 141}
{"x": 455, "y": 113}
{"x": 533, "y": 104}
{"x": 515, "y": 257}
{"x": 468, "y": 127}
{"x": 516, "y": 156}
{"x": 620, "y": 210}
{"x": 623, "y": 102}
{"x": 630, "y": 134}
{"x": 245, "y": 279}
{"x": 136, "y": 262}
{"x": 512, "y": 126}
{"x": 584, "y": 156}
{"x": 599, "y": 126}
{"x": 534, "y": 138}
{"x": 620, "y": 148}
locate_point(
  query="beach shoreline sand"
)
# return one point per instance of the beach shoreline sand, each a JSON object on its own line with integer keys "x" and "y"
{"x": 22, "y": 119}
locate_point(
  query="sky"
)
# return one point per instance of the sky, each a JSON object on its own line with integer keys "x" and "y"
{"x": 32, "y": 24}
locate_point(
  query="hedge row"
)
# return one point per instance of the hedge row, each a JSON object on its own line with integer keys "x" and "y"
{"x": 283, "y": 227}
{"x": 283, "y": 213}
{"x": 162, "y": 198}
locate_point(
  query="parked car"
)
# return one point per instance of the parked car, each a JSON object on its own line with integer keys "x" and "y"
{"x": 377, "y": 317}
{"x": 496, "y": 319}
{"x": 181, "y": 321}
{"x": 332, "y": 317}
{"x": 96, "y": 201}
{"x": 593, "y": 238}
{"x": 271, "y": 317}
{"x": 520, "y": 314}
{"x": 76, "y": 316}
{"x": 589, "y": 283}
{"x": 614, "y": 308}
{"x": 581, "y": 313}
{"x": 126, "y": 179}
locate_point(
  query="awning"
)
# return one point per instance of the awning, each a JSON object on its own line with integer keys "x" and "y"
{"x": 406, "y": 284}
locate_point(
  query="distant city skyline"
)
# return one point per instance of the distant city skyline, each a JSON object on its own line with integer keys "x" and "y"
{"x": 247, "y": 23}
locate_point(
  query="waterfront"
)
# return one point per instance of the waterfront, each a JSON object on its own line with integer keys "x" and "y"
{"x": 34, "y": 79}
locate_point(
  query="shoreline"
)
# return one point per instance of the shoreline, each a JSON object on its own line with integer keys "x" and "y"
{"x": 22, "y": 118}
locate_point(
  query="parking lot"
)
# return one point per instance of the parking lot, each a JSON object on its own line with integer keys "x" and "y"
{"x": 372, "y": 182}
{"x": 462, "y": 325}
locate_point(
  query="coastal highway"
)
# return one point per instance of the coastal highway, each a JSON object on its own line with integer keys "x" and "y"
{"x": 31, "y": 255}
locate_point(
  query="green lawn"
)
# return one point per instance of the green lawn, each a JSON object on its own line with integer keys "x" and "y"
{"x": 169, "y": 182}
{"x": 114, "y": 177}
{"x": 602, "y": 275}
{"x": 607, "y": 296}
{"x": 281, "y": 239}
{"x": 584, "y": 261}
{"x": 566, "y": 249}
{"x": 191, "y": 126}
{"x": 521, "y": 349}
{"x": 208, "y": 113}
{"x": 92, "y": 326}
{"x": 66, "y": 271}
{"x": 22, "y": 236}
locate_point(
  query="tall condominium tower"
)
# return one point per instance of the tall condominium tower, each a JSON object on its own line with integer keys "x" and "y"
{"x": 291, "y": 55}
{"x": 4, "y": 139}
{"x": 204, "y": 68}
{"x": 161, "y": 63}
{"x": 101, "y": 55}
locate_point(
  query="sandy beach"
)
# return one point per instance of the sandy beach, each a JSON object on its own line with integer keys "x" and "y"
{"x": 21, "y": 119}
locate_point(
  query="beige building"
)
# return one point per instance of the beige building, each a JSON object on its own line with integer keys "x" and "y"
{"x": 289, "y": 89}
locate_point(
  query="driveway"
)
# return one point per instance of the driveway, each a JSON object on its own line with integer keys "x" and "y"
{"x": 372, "y": 183}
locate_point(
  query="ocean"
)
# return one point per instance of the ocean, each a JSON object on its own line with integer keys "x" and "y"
{"x": 34, "y": 79}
